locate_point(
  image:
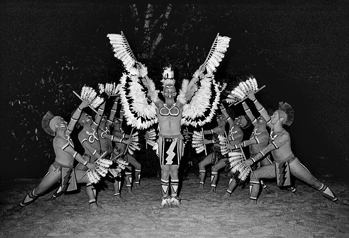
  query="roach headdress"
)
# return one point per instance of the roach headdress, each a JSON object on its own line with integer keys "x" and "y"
{"x": 285, "y": 107}
{"x": 47, "y": 125}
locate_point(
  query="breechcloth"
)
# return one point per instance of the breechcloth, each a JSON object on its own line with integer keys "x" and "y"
{"x": 282, "y": 171}
{"x": 68, "y": 177}
{"x": 217, "y": 154}
{"x": 170, "y": 149}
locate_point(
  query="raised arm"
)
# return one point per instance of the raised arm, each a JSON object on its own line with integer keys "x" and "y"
{"x": 192, "y": 84}
{"x": 226, "y": 115}
{"x": 112, "y": 112}
{"x": 260, "y": 108}
{"x": 249, "y": 113}
{"x": 98, "y": 116}
{"x": 75, "y": 117}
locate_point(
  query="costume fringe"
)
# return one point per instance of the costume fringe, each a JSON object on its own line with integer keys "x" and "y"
{"x": 198, "y": 142}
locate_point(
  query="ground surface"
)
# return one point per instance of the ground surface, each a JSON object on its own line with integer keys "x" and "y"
{"x": 279, "y": 213}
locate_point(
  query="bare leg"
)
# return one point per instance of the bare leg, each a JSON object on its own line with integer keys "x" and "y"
{"x": 231, "y": 187}
{"x": 51, "y": 178}
{"x": 202, "y": 165}
{"x": 165, "y": 180}
{"x": 128, "y": 181}
{"x": 301, "y": 172}
{"x": 137, "y": 167}
{"x": 267, "y": 171}
{"x": 90, "y": 189}
{"x": 117, "y": 186}
{"x": 214, "y": 174}
{"x": 174, "y": 185}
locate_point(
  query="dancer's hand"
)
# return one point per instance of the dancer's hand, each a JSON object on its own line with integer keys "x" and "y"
{"x": 248, "y": 162}
{"x": 251, "y": 95}
{"x": 84, "y": 104}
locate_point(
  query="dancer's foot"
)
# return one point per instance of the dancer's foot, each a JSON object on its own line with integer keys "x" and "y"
{"x": 226, "y": 195}
{"x": 175, "y": 201}
{"x": 166, "y": 202}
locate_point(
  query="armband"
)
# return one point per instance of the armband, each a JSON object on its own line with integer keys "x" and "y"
{"x": 253, "y": 160}
{"x": 261, "y": 152}
{"x": 83, "y": 140}
{"x": 94, "y": 152}
{"x": 85, "y": 163}
{"x": 211, "y": 131}
{"x": 112, "y": 138}
{"x": 276, "y": 147}
{"x": 261, "y": 109}
{"x": 255, "y": 100}
{"x": 75, "y": 154}
{"x": 256, "y": 138}
{"x": 228, "y": 118}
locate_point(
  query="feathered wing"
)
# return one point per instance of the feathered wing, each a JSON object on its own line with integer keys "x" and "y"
{"x": 216, "y": 54}
{"x": 122, "y": 50}
{"x": 205, "y": 97}
{"x": 139, "y": 111}
{"x": 203, "y": 104}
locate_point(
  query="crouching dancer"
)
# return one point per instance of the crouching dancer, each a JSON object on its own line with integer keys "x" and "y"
{"x": 286, "y": 163}
{"x": 62, "y": 168}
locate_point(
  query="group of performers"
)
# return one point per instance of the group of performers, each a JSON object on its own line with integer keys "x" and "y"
{"x": 108, "y": 150}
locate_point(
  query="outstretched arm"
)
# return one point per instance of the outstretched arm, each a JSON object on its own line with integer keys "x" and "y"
{"x": 192, "y": 84}
{"x": 98, "y": 116}
{"x": 249, "y": 113}
{"x": 75, "y": 117}
{"x": 226, "y": 115}
{"x": 260, "y": 108}
{"x": 276, "y": 144}
{"x": 112, "y": 112}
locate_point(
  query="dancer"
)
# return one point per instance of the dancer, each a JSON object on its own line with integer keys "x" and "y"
{"x": 195, "y": 105}
{"x": 123, "y": 149}
{"x": 234, "y": 139}
{"x": 62, "y": 168}
{"x": 258, "y": 140}
{"x": 170, "y": 142}
{"x": 286, "y": 163}
{"x": 215, "y": 155}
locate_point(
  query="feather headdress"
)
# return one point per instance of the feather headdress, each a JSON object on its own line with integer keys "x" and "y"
{"x": 216, "y": 54}
{"x": 287, "y": 108}
{"x": 168, "y": 76}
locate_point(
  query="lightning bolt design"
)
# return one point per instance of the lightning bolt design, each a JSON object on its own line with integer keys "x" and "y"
{"x": 170, "y": 152}
{"x": 283, "y": 174}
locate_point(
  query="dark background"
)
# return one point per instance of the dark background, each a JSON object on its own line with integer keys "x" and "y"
{"x": 298, "y": 50}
